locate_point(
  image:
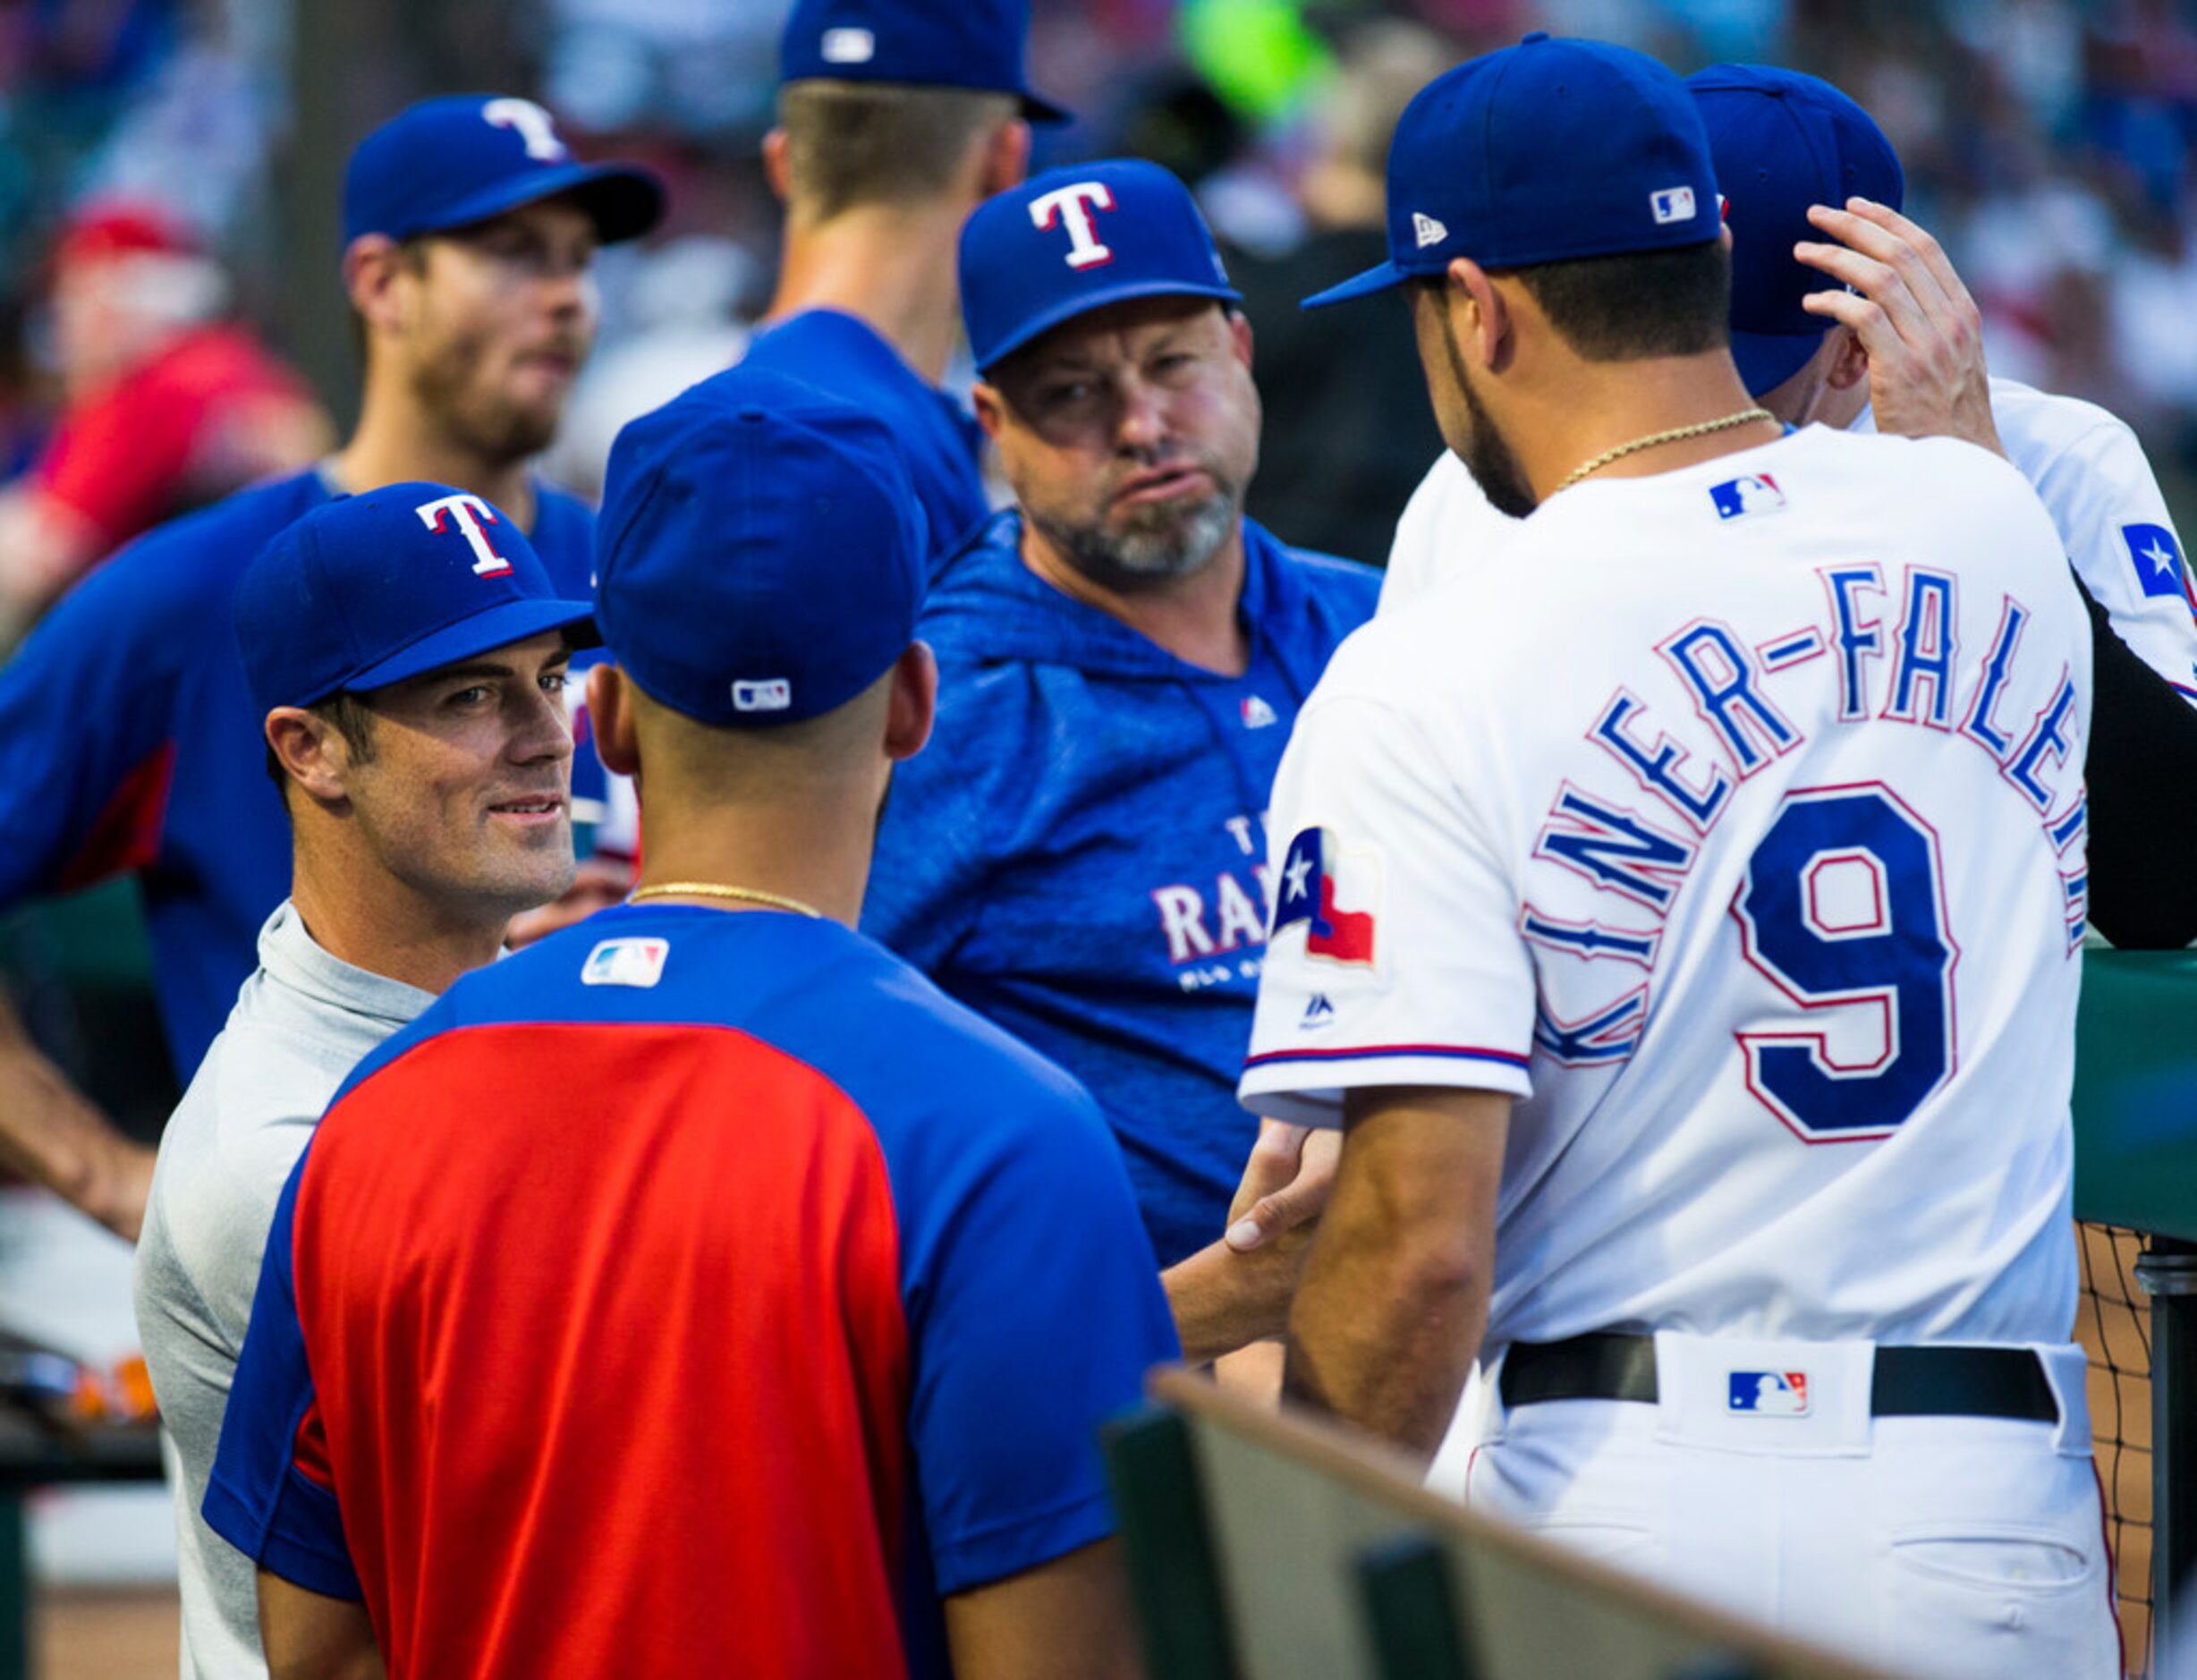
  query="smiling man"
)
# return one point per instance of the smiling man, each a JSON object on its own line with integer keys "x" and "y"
{"x": 420, "y": 741}
{"x": 1080, "y": 856}
{"x": 128, "y": 736}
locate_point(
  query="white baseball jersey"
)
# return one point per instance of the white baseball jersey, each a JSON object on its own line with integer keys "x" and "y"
{"x": 2084, "y": 464}
{"x": 1734, "y": 824}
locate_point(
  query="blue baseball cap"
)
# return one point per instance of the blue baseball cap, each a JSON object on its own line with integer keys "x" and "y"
{"x": 453, "y": 161}
{"x": 975, "y": 44}
{"x": 1074, "y": 240}
{"x": 760, "y": 554}
{"x": 1548, "y": 151}
{"x": 390, "y": 584}
{"x": 1783, "y": 142}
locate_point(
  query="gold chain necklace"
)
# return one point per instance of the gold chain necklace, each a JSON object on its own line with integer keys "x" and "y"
{"x": 711, "y": 889}
{"x": 1677, "y": 435}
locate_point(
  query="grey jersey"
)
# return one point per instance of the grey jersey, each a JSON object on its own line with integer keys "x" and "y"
{"x": 301, "y": 1022}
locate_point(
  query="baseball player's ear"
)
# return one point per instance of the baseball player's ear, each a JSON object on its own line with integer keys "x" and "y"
{"x": 311, "y": 750}
{"x": 371, "y": 264}
{"x": 1849, "y": 362}
{"x": 775, "y": 167}
{"x": 1478, "y": 312}
{"x": 990, "y": 406}
{"x": 610, "y": 715}
{"x": 1240, "y": 330}
{"x": 1006, "y": 157}
{"x": 914, "y": 702}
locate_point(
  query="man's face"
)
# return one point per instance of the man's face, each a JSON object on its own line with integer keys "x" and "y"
{"x": 1129, "y": 434}
{"x": 465, "y": 791}
{"x": 1466, "y": 426}
{"x": 501, "y": 318}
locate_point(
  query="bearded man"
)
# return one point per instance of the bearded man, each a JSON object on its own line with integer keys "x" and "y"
{"x": 1080, "y": 856}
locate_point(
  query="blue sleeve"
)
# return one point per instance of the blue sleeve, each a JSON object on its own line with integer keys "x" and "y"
{"x": 1034, "y": 1311}
{"x": 257, "y": 1498}
{"x": 87, "y": 705}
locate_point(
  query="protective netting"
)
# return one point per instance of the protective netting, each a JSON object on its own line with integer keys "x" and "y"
{"x": 2114, "y": 1325}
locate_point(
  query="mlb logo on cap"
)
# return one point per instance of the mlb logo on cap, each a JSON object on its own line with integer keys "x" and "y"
{"x": 2157, "y": 558}
{"x": 1757, "y": 492}
{"x": 1673, "y": 204}
{"x": 1768, "y": 1394}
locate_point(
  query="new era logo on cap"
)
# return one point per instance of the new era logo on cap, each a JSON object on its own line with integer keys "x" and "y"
{"x": 1427, "y": 230}
{"x": 848, "y": 47}
{"x": 1673, "y": 204}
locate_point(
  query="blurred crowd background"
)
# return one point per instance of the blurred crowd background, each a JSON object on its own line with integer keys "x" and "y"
{"x": 2047, "y": 142}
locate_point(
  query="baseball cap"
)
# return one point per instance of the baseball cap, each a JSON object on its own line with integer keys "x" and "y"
{"x": 453, "y": 161}
{"x": 1548, "y": 151}
{"x": 390, "y": 584}
{"x": 118, "y": 229}
{"x": 759, "y": 558}
{"x": 1781, "y": 142}
{"x": 1074, "y": 240}
{"x": 975, "y": 44}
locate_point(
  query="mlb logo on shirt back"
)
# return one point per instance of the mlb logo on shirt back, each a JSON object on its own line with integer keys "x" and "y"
{"x": 1768, "y": 1394}
{"x": 2157, "y": 558}
{"x": 625, "y": 963}
{"x": 1736, "y": 499}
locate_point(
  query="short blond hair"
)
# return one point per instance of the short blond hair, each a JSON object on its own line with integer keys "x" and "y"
{"x": 851, "y": 143}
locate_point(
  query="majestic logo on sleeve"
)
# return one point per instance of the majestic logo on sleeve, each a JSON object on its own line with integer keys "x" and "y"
{"x": 534, "y": 125}
{"x": 1309, "y": 894}
{"x": 471, "y": 517}
{"x": 1071, "y": 207}
{"x": 2157, "y": 558}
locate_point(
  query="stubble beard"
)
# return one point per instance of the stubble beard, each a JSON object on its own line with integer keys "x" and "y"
{"x": 1152, "y": 546}
{"x": 450, "y": 387}
{"x": 1487, "y": 455}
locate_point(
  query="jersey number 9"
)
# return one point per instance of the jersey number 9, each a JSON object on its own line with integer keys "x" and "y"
{"x": 1844, "y": 904}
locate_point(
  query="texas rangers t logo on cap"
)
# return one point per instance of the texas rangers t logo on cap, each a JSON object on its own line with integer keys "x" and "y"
{"x": 472, "y": 517}
{"x": 535, "y": 127}
{"x": 1071, "y": 206}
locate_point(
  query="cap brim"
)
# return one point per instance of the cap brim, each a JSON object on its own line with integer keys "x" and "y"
{"x": 483, "y": 632}
{"x": 1038, "y": 110}
{"x": 621, "y": 201}
{"x": 1380, "y": 277}
{"x": 1768, "y": 360}
{"x": 1084, "y": 303}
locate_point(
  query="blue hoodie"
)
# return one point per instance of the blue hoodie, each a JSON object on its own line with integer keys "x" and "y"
{"x": 1078, "y": 855}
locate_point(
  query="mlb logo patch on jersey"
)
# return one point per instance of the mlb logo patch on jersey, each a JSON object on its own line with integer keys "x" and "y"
{"x": 625, "y": 963}
{"x": 2157, "y": 558}
{"x": 1309, "y": 895}
{"x": 1769, "y": 1394}
{"x": 1258, "y": 714}
{"x": 1736, "y": 499}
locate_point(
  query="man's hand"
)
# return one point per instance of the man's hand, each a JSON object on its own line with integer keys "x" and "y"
{"x": 1285, "y": 1183}
{"x": 53, "y": 1136}
{"x": 1235, "y": 1292}
{"x": 1923, "y": 331}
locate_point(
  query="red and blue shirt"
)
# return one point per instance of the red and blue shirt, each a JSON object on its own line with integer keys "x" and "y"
{"x": 129, "y": 743}
{"x": 694, "y": 1291}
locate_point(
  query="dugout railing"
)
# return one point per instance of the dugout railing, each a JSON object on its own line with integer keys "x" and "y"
{"x": 1265, "y": 1547}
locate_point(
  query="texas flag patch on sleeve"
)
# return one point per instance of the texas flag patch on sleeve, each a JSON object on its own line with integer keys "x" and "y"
{"x": 1307, "y": 893}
